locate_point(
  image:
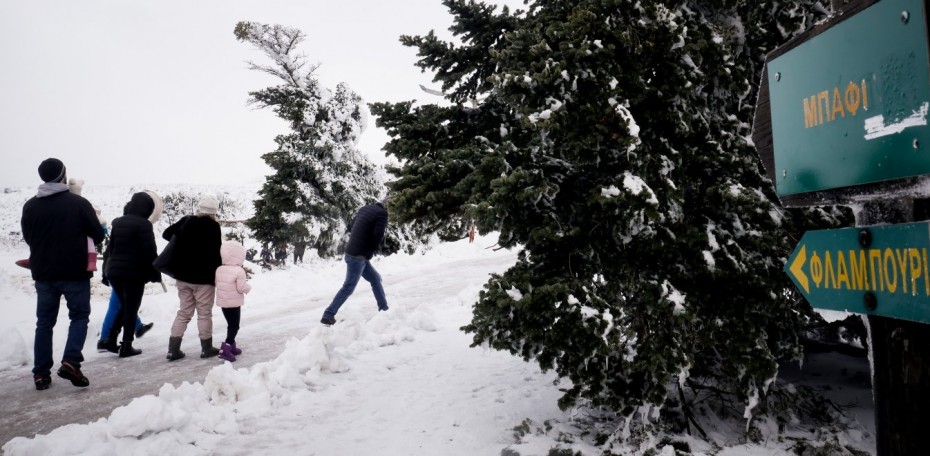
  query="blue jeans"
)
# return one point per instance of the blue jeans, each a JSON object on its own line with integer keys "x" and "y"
{"x": 77, "y": 296}
{"x": 108, "y": 320}
{"x": 355, "y": 268}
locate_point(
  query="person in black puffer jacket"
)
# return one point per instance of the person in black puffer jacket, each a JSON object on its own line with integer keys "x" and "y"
{"x": 367, "y": 232}
{"x": 128, "y": 266}
{"x": 56, "y": 224}
{"x": 194, "y": 262}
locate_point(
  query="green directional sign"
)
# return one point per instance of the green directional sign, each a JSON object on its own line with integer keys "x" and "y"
{"x": 880, "y": 270}
{"x": 849, "y": 106}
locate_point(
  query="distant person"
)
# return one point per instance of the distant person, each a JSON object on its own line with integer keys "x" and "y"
{"x": 128, "y": 267}
{"x": 367, "y": 231}
{"x": 280, "y": 253}
{"x": 104, "y": 343}
{"x": 299, "y": 248}
{"x": 196, "y": 257}
{"x": 56, "y": 224}
{"x": 266, "y": 257}
{"x": 231, "y": 288}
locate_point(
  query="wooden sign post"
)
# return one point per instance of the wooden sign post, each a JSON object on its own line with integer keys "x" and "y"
{"x": 843, "y": 117}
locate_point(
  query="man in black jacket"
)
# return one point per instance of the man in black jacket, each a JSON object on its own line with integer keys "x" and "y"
{"x": 56, "y": 224}
{"x": 367, "y": 231}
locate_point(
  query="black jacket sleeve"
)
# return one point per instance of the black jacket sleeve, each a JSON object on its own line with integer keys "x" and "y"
{"x": 174, "y": 228}
{"x": 150, "y": 251}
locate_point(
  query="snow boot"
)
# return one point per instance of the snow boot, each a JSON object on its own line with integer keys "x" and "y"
{"x": 207, "y": 350}
{"x": 109, "y": 344}
{"x": 174, "y": 349}
{"x": 236, "y": 351}
{"x": 226, "y": 352}
{"x": 126, "y": 350}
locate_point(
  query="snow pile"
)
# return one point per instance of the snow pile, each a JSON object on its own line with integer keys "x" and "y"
{"x": 195, "y": 417}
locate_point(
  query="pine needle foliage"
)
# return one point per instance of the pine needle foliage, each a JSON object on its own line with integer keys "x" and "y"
{"x": 319, "y": 177}
{"x": 609, "y": 141}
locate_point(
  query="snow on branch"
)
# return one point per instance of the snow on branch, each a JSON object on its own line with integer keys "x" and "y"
{"x": 279, "y": 43}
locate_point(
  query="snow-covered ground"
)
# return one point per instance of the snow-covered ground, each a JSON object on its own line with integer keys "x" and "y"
{"x": 402, "y": 382}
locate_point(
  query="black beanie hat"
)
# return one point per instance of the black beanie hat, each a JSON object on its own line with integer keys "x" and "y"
{"x": 51, "y": 170}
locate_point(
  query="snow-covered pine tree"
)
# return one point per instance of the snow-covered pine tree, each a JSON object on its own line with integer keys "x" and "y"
{"x": 320, "y": 177}
{"x": 612, "y": 145}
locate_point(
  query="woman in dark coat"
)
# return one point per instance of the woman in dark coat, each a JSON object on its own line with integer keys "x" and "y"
{"x": 196, "y": 257}
{"x": 128, "y": 266}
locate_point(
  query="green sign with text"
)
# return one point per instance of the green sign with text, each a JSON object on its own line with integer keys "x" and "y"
{"x": 849, "y": 106}
{"x": 881, "y": 270}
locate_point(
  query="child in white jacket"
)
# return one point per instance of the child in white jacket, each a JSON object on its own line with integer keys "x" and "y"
{"x": 231, "y": 287}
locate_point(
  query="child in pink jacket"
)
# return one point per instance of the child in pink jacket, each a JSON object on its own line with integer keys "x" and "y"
{"x": 231, "y": 287}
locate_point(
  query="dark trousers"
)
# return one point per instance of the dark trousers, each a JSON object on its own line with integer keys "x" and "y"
{"x": 130, "y": 294}
{"x": 233, "y": 315}
{"x": 49, "y": 293}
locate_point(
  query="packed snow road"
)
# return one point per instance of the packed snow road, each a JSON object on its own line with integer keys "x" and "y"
{"x": 408, "y": 375}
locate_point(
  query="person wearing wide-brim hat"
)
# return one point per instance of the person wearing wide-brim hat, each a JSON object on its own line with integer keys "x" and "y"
{"x": 56, "y": 224}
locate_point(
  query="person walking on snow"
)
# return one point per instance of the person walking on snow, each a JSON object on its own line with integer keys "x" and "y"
{"x": 56, "y": 224}
{"x": 367, "y": 231}
{"x": 114, "y": 305}
{"x": 299, "y": 248}
{"x": 127, "y": 266}
{"x": 231, "y": 288}
{"x": 196, "y": 257}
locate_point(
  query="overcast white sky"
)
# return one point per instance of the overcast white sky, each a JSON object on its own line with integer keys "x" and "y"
{"x": 155, "y": 91}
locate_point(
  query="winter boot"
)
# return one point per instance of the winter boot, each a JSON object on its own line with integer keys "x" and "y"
{"x": 226, "y": 352}
{"x": 207, "y": 350}
{"x": 109, "y": 344}
{"x": 126, "y": 350}
{"x": 174, "y": 349}
{"x": 236, "y": 351}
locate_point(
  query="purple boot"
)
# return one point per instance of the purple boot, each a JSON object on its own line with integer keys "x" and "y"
{"x": 226, "y": 352}
{"x": 236, "y": 351}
